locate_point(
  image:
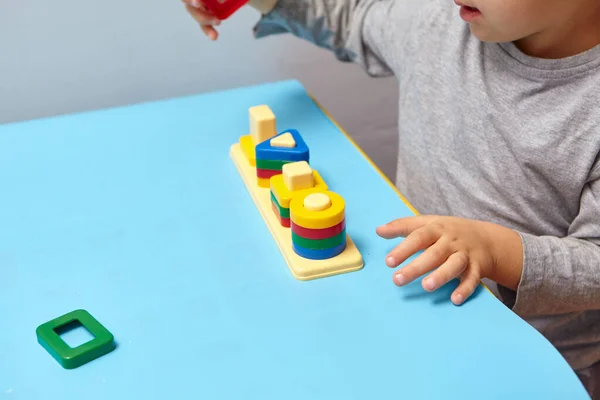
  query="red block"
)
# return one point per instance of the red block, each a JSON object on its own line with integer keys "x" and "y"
{"x": 285, "y": 222}
{"x": 223, "y": 9}
{"x": 318, "y": 234}
{"x": 266, "y": 173}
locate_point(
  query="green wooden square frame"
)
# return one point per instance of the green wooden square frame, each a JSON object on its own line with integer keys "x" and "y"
{"x": 69, "y": 357}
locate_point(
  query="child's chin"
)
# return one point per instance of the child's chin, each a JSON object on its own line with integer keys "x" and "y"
{"x": 486, "y": 35}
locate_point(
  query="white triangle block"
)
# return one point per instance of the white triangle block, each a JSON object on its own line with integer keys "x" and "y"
{"x": 286, "y": 140}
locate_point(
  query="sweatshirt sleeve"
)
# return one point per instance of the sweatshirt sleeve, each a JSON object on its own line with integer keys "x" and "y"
{"x": 562, "y": 275}
{"x": 365, "y": 32}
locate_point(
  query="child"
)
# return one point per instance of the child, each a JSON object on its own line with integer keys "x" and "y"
{"x": 499, "y": 144}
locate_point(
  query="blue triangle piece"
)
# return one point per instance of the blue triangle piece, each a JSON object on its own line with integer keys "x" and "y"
{"x": 264, "y": 150}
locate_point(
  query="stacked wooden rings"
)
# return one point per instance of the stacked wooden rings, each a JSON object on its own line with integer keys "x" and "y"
{"x": 318, "y": 224}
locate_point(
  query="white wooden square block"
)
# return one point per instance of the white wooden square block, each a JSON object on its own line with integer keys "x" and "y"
{"x": 262, "y": 123}
{"x": 298, "y": 176}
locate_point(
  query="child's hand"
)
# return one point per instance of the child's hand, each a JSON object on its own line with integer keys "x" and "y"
{"x": 461, "y": 248}
{"x": 205, "y": 19}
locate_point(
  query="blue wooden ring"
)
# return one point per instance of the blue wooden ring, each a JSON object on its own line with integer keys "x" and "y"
{"x": 319, "y": 254}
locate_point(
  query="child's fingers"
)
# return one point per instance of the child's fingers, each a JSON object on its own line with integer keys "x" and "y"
{"x": 402, "y": 227}
{"x": 430, "y": 259}
{"x": 205, "y": 20}
{"x": 196, "y": 4}
{"x": 202, "y": 16}
{"x": 210, "y": 32}
{"x": 466, "y": 287}
{"x": 418, "y": 240}
{"x": 451, "y": 269}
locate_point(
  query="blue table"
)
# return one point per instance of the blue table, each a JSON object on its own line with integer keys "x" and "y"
{"x": 138, "y": 215}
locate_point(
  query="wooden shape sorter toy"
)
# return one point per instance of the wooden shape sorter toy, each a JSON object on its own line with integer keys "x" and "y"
{"x": 306, "y": 218}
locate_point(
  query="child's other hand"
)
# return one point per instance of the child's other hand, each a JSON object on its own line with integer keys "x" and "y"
{"x": 454, "y": 248}
{"x": 205, "y": 19}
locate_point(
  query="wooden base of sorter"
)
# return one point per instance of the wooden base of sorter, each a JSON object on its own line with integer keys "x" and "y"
{"x": 303, "y": 269}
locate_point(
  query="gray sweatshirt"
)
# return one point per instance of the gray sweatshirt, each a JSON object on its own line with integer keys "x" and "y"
{"x": 488, "y": 133}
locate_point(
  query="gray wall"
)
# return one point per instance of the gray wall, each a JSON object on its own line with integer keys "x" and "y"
{"x": 64, "y": 56}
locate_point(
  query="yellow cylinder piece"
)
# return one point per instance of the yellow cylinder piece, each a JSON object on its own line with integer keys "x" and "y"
{"x": 315, "y": 218}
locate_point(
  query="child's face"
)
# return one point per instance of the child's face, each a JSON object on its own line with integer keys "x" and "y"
{"x": 511, "y": 20}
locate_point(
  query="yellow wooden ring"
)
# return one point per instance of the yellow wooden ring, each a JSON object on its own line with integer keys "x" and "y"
{"x": 317, "y": 219}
